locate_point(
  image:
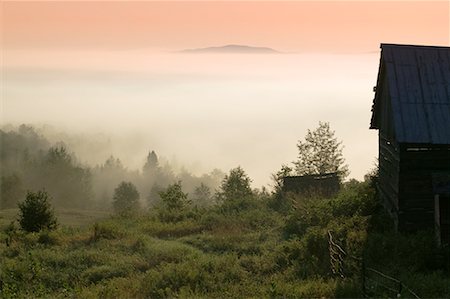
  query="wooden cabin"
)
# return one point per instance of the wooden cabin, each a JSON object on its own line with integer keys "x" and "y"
{"x": 411, "y": 111}
{"x": 324, "y": 185}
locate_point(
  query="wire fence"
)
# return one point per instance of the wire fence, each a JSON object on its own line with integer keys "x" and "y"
{"x": 374, "y": 283}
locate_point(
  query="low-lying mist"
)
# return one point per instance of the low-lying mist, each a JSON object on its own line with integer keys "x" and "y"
{"x": 201, "y": 111}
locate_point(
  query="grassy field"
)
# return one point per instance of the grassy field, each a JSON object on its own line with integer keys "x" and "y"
{"x": 66, "y": 217}
{"x": 246, "y": 250}
{"x": 142, "y": 257}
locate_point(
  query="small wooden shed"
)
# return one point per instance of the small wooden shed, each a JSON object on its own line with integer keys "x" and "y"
{"x": 325, "y": 185}
{"x": 411, "y": 111}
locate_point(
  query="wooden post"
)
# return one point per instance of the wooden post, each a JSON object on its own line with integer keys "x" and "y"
{"x": 363, "y": 277}
{"x": 437, "y": 219}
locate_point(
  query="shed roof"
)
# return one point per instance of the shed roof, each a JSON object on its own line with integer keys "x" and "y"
{"x": 418, "y": 79}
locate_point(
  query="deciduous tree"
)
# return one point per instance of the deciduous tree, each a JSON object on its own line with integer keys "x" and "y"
{"x": 235, "y": 185}
{"x": 321, "y": 153}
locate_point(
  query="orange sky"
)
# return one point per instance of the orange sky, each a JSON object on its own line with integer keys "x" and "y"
{"x": 341, "y": 26}
{"x": 96, "y": 66}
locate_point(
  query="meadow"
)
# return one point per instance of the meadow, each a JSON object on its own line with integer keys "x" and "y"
{"x": 261, "y": 246}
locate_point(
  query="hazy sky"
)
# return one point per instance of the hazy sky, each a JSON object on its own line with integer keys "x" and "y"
{"x": 290, "y": 26}
{"x": 111, "y": 67}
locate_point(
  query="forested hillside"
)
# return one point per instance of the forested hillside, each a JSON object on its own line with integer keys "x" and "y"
{"x": 31, "y": 162}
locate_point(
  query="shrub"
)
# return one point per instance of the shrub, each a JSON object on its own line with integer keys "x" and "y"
{"x": 311, "y": 288}
{"x": 126, "y": 199}
{"x": 174, "y": 229}
{"x": 355, "y": 198}
{"x": 395, "y": 249}
{"x": 105, "y": 230}
{"x": 11, "y": 232}
{"x": 36, "y": 213}
{"x": 174, "y": 199}
{"x": 174, "y": 203}
{"x": 48, "y": 238}
{"x": 308, "y": 212}
{"x": 193, "y": 278}
{"x": 98, "y": 273}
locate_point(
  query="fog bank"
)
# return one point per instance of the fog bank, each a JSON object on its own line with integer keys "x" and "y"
{"x": 202, "y": 111}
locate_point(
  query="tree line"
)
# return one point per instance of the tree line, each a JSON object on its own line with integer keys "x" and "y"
{"x": 31, "y": 163}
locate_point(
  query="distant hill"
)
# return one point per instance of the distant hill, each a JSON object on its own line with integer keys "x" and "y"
{"x": 239, "y": 49}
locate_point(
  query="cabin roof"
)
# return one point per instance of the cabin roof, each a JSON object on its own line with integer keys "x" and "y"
{"x": 418, "y": 79}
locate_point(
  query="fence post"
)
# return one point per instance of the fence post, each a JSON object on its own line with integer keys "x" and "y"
{"x": 437, "y": 219}
{"x": 363, "y": 276}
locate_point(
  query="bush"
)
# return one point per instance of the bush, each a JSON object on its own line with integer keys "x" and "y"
{"x": 174, "y": 203}
{"x": 173, "y": 198}
{"x": 207, "y": 276}
{"x": 355, "y": 198}
{"x": 105, "y": 230}
{"x": 394, "y": 251}
{"x": 102, "y": 272}
{"x": 126, "y": 199}
{"x": 36, "y": 213}
{"x": 174, "y": 229}
{"x": 308, "y": 212}
{"x": 48, "y": 238}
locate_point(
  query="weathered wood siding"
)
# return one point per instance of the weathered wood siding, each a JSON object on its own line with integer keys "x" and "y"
{"x": 388, "y": 172}
{"x": 389, "y": 151}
